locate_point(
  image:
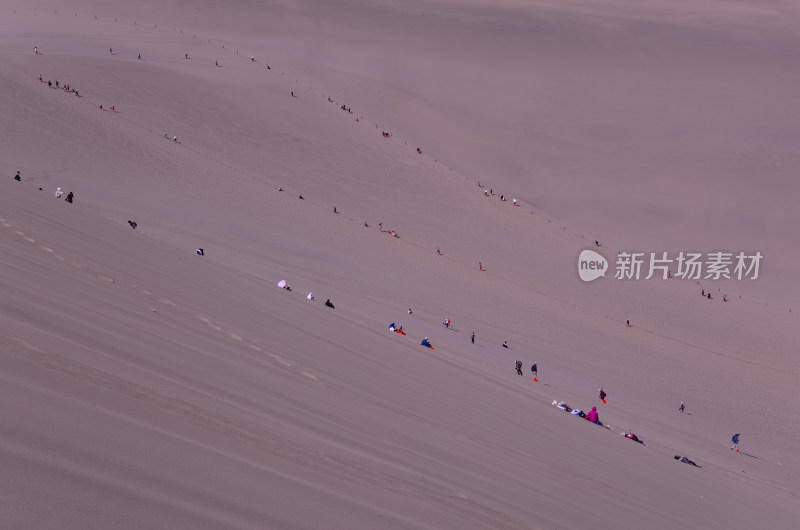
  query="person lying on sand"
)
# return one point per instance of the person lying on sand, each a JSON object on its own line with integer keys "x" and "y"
{"x": 686, "y": 461}
{"x": 630, "y": 436}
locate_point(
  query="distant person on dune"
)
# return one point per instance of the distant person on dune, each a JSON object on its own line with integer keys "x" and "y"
{"x": 473, "y": 337}
{"x": 682, "y": 407}
{"x": 505, "y": 344}
{"x": 18, "y": 177}
{"x": 70, "y": 196}
{"x": 602, "y": 395}
{"x": 534, "y": 370}
{"x": 518, "y": 365}
{"x": 133, "y": 224}
{"x": 329, "y": 304}
{"x": 58, "y": 193}
{"x": 735, "y": 441}
{"x": 200, "y": 252}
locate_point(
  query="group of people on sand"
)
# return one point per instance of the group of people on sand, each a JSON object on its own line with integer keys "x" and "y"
{"x": 489, "y": 192}
{"x": 534, "y": 369}
{"x": 310, "y": 297}
{"x": 707, "y": 295}
{"x": 69, "y": 198}
{"x": 63, "y": 86}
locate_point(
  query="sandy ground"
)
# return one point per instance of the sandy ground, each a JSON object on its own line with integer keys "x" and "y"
{"x": 144, "y": 386}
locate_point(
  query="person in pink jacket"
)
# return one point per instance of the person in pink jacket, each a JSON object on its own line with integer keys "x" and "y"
{"x": 592, "y": 416}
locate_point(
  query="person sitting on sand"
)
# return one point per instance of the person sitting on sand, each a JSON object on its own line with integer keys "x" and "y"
{"x": 200, "y": 252}
{"x": 329, "y": 304}
{"x": 18, "y": 177}
{"x": 310, "y": 296}
{"x": 686, "y": 461}
{"x": 58, "y": 192}
{"x": 505, "y": 344}
{"x": 70, "y": 196}
{"x": 391, "y": 327}
{"x": 133, "y": 224}
{"x": 593, "y": 417}
{"x": 425, "y": 342}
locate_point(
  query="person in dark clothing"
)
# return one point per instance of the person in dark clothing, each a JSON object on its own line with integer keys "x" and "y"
{"x": 505, "y": 344}
{"x": 473, "y": 337}
{"x": 329, "y": 304}
{"x": 602, "y": 395}
{"x": 686, "y": 461}
{"x": 69, "y": 198}
{"x": 200, "y": 252}
{"x": 18, "y": 177}
{"x": 133, "y": 224}
{"x": 519, "y": 367}
{"x": 534, "y": 370}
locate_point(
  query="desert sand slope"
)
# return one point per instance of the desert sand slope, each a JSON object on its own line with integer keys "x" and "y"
{"x": 144, "y": 386}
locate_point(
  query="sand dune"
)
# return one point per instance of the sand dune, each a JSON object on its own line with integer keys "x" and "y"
{"x": 145, "y": 386}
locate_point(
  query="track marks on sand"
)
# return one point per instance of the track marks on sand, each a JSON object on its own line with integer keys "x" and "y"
{"x": 238, "y": 338}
